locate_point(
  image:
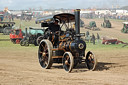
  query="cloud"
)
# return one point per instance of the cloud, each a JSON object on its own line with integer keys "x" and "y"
{"x": 46, "y": 4}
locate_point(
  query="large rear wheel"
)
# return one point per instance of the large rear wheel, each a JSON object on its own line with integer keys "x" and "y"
{"x": 91, "y": 61}
{"x": 45, "y": 54}
{"x": 68, "y": 61}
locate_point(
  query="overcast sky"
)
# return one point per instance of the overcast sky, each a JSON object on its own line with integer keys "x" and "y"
{"x": 56, "y": 4}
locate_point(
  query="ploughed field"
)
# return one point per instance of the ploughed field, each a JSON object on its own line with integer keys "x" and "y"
{"x": 19, "y": 65}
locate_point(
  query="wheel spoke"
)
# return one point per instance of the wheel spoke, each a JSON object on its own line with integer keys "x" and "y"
{"x": 40, "y": 59}
{"x": 46, "y": 58}
{"x": 67, "y": 57}
{"x": 92, "y": 61}
{"x": 45, "y": 48}
{"x": 39, "y": 39}
{"x": 90, "y": 56}
{"x": 67, "y": 63}
{"x": 46, "y": 62}
{"x": 67, "y": 60}
{"x": 40, "y": 52}
{"x": 42, "y": 45}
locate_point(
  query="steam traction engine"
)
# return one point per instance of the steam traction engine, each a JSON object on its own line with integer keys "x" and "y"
{"x": 65, "y": 47}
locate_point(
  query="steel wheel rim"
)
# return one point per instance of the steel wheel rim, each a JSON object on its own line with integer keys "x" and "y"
{"x": 43, "y": 54}
{"x": 68, "y": 61}
{"x": 91, "y": 61}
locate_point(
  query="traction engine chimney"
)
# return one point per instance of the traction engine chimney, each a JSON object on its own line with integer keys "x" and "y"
{"x": 77, "y": 22}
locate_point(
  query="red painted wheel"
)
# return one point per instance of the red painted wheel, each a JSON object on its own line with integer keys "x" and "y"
{"x": 17, "y": 41}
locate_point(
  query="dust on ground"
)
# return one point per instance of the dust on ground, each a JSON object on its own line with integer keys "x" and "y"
{"x": 21, "y": 67}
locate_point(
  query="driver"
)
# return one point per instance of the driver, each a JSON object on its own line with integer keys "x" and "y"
{"x": 54, "y": 32}
{"x": 55, "y": 27}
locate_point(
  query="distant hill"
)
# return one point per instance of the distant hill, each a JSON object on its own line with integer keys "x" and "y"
{"x": 124, "y": 7}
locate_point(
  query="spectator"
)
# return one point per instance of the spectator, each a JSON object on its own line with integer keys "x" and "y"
{"x": 98, "y": 38}
{"x": 87, "y": 33}
{"x": 93, "y": 39}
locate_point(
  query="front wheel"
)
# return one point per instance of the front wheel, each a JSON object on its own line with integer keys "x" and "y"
{"x": 91, "y": 61}
{"x": 68, "y": 61}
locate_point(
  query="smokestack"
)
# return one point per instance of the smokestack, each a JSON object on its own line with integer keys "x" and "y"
{"x": 77, "y": 22}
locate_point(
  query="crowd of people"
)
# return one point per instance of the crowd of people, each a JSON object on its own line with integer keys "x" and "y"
{"x": 91, "y": 37}
{"x": 110, "y": 16}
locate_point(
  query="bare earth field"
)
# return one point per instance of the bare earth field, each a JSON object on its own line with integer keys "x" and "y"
{"x": 20, "y": 66}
